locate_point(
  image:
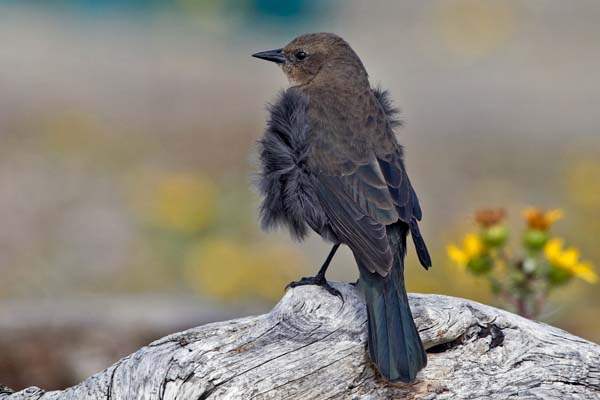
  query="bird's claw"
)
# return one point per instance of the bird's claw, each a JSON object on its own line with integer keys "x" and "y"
{"x": 316, "y": 280}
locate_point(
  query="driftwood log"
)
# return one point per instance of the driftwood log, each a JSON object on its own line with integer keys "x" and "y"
{"x": 312, "y": 346}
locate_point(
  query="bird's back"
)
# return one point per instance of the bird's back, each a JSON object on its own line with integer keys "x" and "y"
{"x": 348, "y": 127}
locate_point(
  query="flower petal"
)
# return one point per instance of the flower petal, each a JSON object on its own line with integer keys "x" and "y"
{"x": 570, "y": 258}
{"x": 553, "y": 250}
{"x": 585, "y": 271}
{"x": 473, "y": 245}
{"x": 457, "y": 255}
{"x": 553, "y": 215}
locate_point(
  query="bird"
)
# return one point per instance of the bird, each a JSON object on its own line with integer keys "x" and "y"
{"x": 330, "y": 162}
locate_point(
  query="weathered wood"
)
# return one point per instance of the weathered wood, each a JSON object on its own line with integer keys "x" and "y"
{"x": 312, "y": 346}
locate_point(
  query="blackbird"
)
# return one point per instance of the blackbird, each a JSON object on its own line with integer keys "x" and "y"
{"x": 330, "y": 162}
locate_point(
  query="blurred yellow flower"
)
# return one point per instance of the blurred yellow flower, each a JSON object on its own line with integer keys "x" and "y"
{"x": 232, "y": 271}
{"x": 472, "y": 248}
{"x": 473, "y": 245}
{"x": 216, "y": 267}
{"x": 585, "y": 271}
{"x": 181, "y": 203}
{"x": 537, "y": 218}
{"x": 553, "y": 249}
{"x": 568, "y": 259}
{"x": 457, "y": 256}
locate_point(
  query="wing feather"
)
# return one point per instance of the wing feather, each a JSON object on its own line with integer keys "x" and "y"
{"x": 364, "y": 187}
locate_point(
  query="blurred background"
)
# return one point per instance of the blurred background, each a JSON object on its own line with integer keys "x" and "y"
{"x": 127, "y": 149}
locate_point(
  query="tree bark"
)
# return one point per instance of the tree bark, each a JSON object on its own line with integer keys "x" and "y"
{"x": 313, "y": 346}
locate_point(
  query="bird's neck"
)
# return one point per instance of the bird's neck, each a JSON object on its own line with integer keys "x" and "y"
{"x": 342, "y": 80}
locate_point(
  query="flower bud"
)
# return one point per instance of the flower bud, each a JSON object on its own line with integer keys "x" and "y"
{"x": 480, "y": 265}
{"x": 495, "y": 235}
{"x": 535, "y": 239}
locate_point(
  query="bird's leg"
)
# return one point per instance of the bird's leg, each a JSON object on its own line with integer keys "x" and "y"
{"x": 319, "y": 279}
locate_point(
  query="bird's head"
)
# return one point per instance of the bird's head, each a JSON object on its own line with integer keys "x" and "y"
{"x": 310, "y": 55}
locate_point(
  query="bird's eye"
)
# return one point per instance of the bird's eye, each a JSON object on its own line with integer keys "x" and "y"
{"x": 300, "y": 55}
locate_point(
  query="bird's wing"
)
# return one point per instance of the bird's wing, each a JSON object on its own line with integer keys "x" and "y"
{"x": 362, "y": 203}
{"x": 359, "y": 206}
{"x": 392, "y": 165}
{"x": 364, "y": 188}
{"x": 405, "y": 200}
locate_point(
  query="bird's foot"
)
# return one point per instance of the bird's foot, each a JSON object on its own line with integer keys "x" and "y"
{"x": 318, "y": 280}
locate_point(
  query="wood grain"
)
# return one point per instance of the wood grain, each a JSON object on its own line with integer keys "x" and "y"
{"x": 313, "y": 346}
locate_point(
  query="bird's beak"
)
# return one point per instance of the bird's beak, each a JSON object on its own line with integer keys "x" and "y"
{"x": 271, "y": 55}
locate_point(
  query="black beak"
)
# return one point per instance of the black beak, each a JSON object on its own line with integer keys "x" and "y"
{"x": 271, "y": 55}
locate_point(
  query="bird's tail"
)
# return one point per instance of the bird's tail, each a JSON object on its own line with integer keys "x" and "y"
{"x": 394, "y": 343}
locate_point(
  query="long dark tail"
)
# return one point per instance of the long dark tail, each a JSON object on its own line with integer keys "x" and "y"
{"x": 394, "y": 343}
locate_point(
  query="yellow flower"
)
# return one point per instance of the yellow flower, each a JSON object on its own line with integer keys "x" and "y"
{"x": 473, "y": 245}
{"x": 585, "y": 271}
{"x": 457, "y": 255}
{"x": 552, "y": 250}
{"x": 568, "y": 259}
{"x": 537, "y": 218}
{"x": 472, "y": 248}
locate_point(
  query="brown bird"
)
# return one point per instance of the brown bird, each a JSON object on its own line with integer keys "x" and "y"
{"x": 331, "y": 162}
